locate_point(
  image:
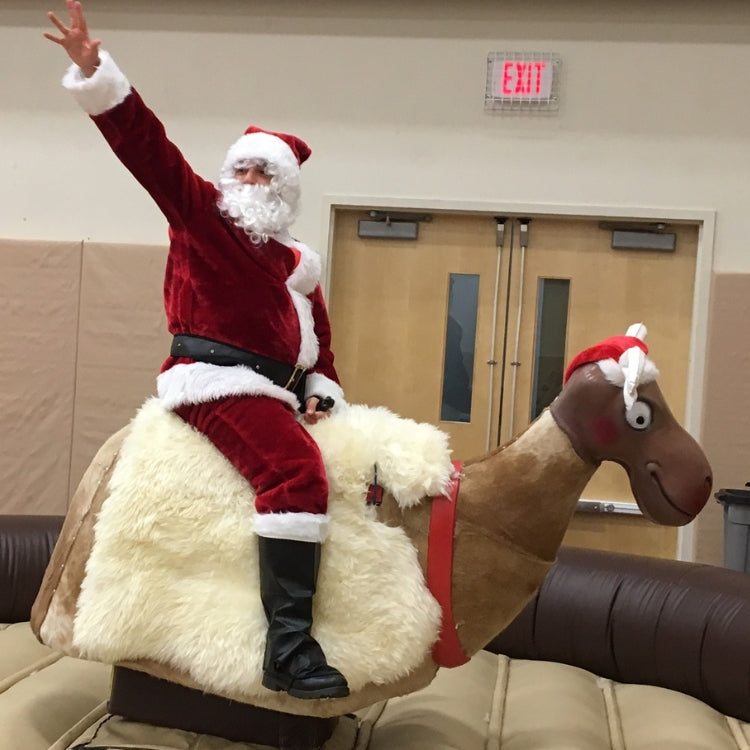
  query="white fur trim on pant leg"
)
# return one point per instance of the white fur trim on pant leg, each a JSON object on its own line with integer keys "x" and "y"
{"x": 300, "y": 527}
{"x": 104, "y": 90}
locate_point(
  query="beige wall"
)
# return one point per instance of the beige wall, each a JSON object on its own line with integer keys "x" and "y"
{"x": 40, "y": 284}
{"x": 83, "y": 338}
{"x": 653, "y": 119}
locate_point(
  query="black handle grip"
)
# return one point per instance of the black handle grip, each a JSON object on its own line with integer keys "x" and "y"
{"x": 325, "y": 404}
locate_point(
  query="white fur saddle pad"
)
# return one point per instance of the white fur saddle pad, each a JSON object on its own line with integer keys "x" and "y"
{"x": 172, "y": 576}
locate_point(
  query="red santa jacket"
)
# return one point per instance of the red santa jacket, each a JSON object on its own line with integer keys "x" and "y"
{"x": 218, "y": 284}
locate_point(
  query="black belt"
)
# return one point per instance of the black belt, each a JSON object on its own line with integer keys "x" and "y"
{"x": 290, "y": 377}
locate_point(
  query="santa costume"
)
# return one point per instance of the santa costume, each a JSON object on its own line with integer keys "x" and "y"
{"x": 251, "y": 342}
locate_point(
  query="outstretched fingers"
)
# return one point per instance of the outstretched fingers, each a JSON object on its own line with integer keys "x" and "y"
{"x": 78, "y": 26}
{"x": 61, "y": 27}
{"x": 75, "y": 39}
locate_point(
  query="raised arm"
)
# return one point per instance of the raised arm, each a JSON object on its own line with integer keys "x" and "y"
{"x": 132, "y": 130}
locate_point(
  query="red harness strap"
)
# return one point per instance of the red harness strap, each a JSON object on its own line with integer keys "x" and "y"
{"x": 447, "y": 652}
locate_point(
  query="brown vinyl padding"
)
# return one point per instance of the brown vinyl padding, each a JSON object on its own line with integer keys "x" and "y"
{"x": 140, "y": 697}
{"x": 26, "y": 543}
{"x": 677, "y": 625}
{"x": 635, "y": 620}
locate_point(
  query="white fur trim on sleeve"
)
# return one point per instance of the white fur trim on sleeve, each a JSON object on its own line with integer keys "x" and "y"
{"x": 318, "y": 384}
{"x": 104, "y": 90}
{"x": 301, "y": 527}
{"x": 306, "y": 275}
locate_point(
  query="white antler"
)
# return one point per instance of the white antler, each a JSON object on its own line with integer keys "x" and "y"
{"x": 633, "y": 362}
{"x": 632, "y": 369}
{"x": 638, "y": 330}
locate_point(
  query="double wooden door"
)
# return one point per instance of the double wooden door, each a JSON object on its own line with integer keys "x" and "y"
{"x": 469, "y": 327}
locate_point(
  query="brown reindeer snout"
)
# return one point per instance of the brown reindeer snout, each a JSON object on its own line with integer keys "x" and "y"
{"x": 669, "y": 474}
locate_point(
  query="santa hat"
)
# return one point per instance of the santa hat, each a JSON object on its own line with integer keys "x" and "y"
{"x": 283, "y": 151}
{"x": 622, "y": 360}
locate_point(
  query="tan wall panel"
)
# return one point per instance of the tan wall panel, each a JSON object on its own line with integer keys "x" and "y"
{"x": 39, "y": 288}
{"x": 621, "y": 533}
{"x": 123, "y": 341}
{"x": 726, "y": 422}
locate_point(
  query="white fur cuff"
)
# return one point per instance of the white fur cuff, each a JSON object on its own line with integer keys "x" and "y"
{"x": 301, "y": 527}
{"x": 104, "y": 90}
{"x": 306, "y": 276}
{"x": 320, "y": 385}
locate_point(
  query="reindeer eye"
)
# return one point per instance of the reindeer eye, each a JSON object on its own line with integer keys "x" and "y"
{"x": 639, "y": 416}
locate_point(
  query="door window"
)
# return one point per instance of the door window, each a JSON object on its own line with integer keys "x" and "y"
{"x": 460, "y": 344}
{"x": 550, "y": 337}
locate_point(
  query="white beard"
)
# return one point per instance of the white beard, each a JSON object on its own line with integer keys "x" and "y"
{"x": 259, "y": 210}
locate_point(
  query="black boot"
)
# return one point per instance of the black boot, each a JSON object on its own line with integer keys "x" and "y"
{"x": 293, "y": 661}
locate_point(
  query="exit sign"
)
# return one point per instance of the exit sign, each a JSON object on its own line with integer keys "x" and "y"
{"x": 522, "y": 81}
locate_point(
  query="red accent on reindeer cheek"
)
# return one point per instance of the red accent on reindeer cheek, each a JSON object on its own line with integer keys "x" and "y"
{"x": 604, "y": 431}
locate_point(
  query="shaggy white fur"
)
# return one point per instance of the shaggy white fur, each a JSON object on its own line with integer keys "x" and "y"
{"x": 172, "y": 575}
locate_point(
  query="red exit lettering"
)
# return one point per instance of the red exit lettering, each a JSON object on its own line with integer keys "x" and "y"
{"x": 522, "y": 78}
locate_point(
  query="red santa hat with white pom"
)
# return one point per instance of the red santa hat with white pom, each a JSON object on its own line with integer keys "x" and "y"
{"x": 622, "y": 360}
{"x": 284, "y": 153}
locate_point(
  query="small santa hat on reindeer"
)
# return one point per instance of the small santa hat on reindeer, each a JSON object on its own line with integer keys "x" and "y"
{"x": 622, "y": 360}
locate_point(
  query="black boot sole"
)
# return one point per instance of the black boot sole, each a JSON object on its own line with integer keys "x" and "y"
{"x": 283, "y": 684}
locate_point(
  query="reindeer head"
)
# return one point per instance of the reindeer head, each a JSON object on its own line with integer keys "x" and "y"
{"x": 612, "y": 409}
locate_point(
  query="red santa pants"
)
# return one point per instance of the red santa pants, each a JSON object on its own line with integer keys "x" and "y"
{"x": 264, "y": 441}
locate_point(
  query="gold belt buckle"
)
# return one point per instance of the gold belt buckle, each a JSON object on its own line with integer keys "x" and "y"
{"x": 295, "y": 377}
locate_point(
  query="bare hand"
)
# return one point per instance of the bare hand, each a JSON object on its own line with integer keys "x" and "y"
{"x": 311, "y": 416}
{"x": 81, "y": 49}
